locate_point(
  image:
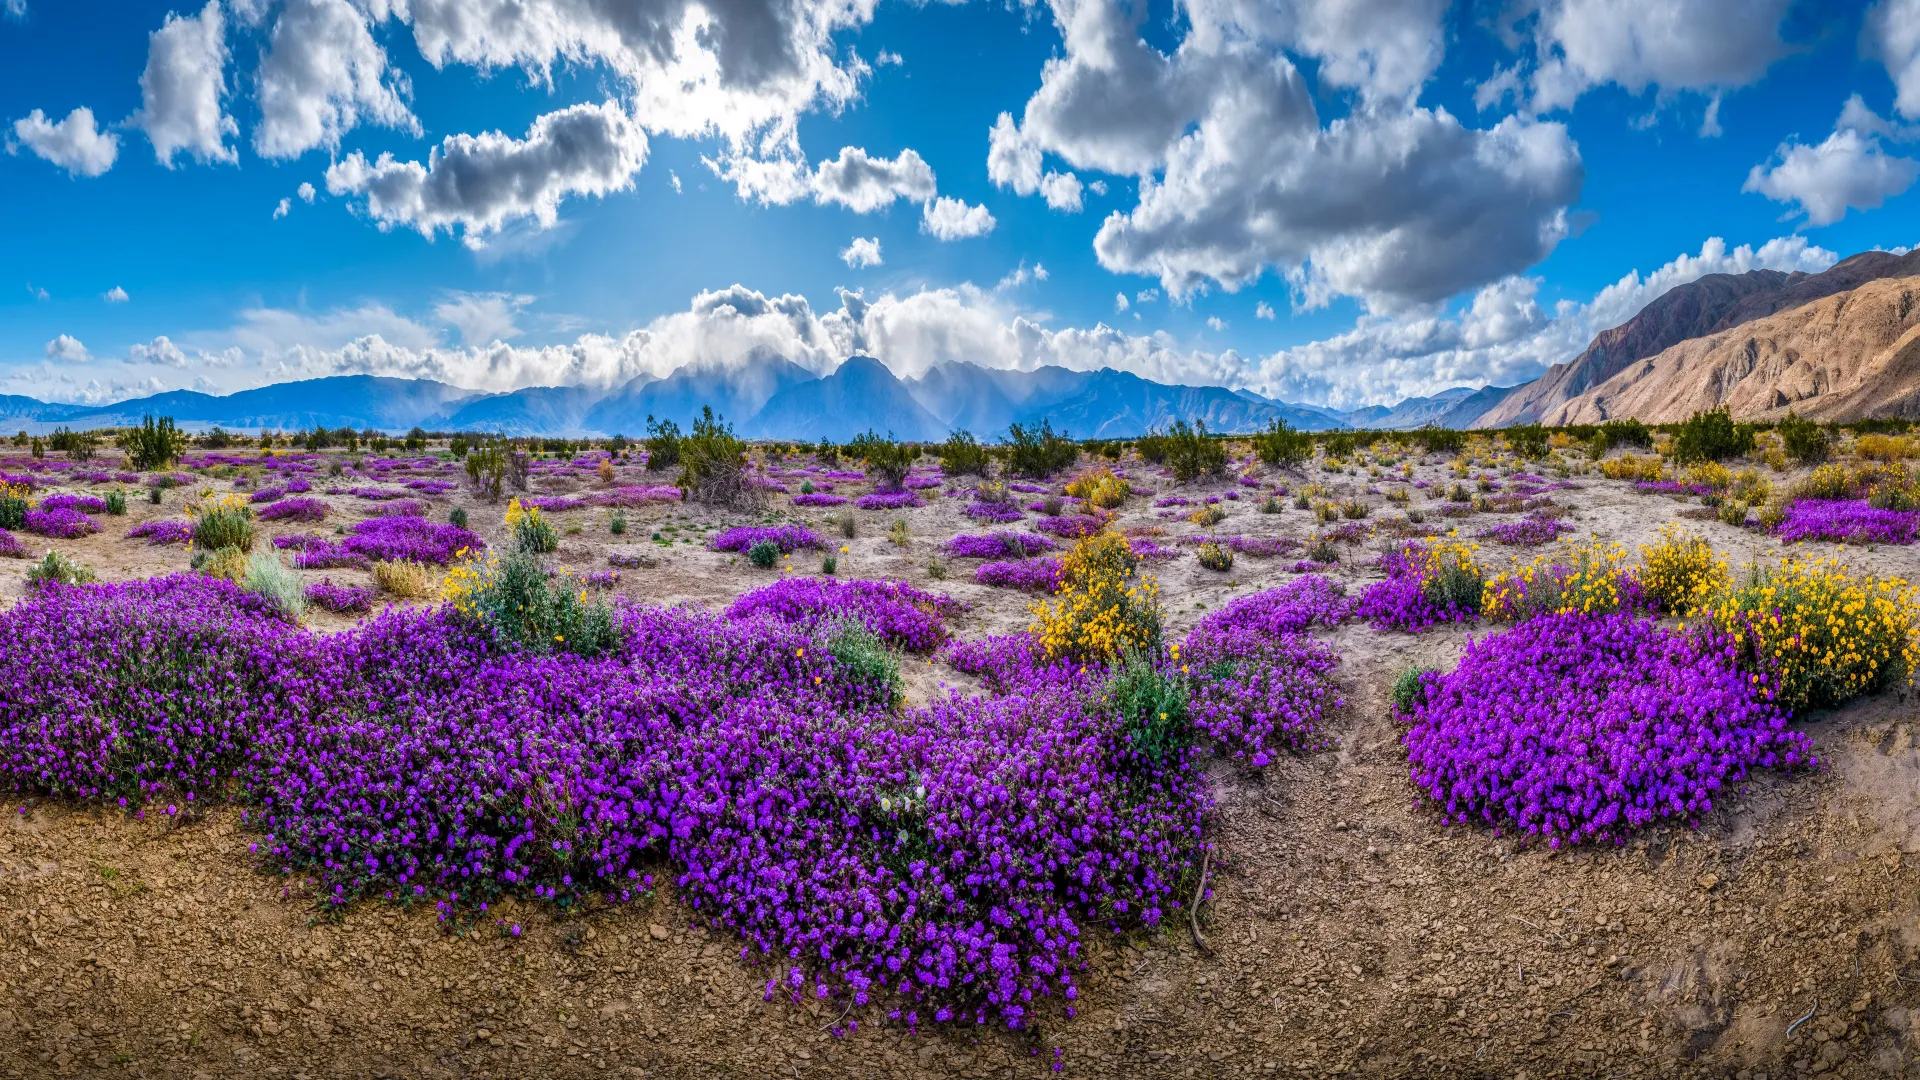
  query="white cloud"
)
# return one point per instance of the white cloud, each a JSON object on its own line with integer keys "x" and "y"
{"x": 1698, "y": 45}
{"x": 181, "y": 88}
{"x": 1014, "y": 161}
{"x": 1146, "y": 296}
{"x": 482, "y": 318}
{"x": 1062, "y": 192}
{"x": 1891, "y": 35}
{"x": 952, "y": 219}
{"x": 1120, "y": 302}
{"x": 1848, "y": 171}
{"x": 74, "y": 144}
{"x": 1393, "y": 203}
{"x": 322, "y": 75}
{"x": 306, "y": 192}
{"x": 159, "y": 351}
{"x": 68, "y": 349}
{"x": 863, "y": 184}
{"x": 14, "y": 9}
{"x": 888, "y": 58}
{"x": 282, "y": 209}
{"x": 862, "y": 253}
{"x": 1216, "y": 323}
{"x": 37, "y": 292}
{"x": 1021, "y": 275}
{"x": 482, "y": 183}
{"x": 675, "y": 177}
{"x": 115, "y": 295}
{"x": 1263, "y": 310}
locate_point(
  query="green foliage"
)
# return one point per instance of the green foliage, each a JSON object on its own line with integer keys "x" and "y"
{"x": 713, "y": 463}
{"x": 525, "y": 609}
{"x": 862, "y": 656}
{"x": 154, "y": 444}
{"x": 1339, "y": 444}
{"x": 1528, "y": 440}
{"x": 1711, "y": 436}
{"x": 662, "y": 443}
{"x": 1282, "y": 446}
{"x": 533, "y": 534}
{"x": 1149, "y": 708}
{"x": 1409, "y": 690}
{"x": 458, "y": 516}
{"x": 1214, "y": 557}
{"x": 1804, "y": 441}
{"x": 826, "y": 452}
{"x": 829, "y": 564}
{"x": 224, "y": 527}
{"x": 847, "y": 524}
{"x": 1192, "y": 454}
{"x": 1038, "y": 453}
{"x": 885, "y": 459}
{"x": 56, "y": 568}
{"x": 1152, "y": 447}
{"x": 416, "y": 440}
{"x": 1438, "y": 440}
{"x": 764, "y": 554}
{"x": 962, "y": 455}
{"x": 487, "y": 469}
{"x": 459, "y": 446}
{"x": 116, "y": 503}
{"x": 78, "y": 445}
{"x": 618, "y": 524}
{"x": 1628, "y": 432}
{"x": 268, "y": 576}
{"x": 13, "y": 508}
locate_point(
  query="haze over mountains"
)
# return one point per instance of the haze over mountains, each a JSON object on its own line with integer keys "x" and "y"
{"x": 1837, "y": 345}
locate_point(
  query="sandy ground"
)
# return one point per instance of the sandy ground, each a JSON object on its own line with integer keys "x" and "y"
{"x": 1349, "y": 936}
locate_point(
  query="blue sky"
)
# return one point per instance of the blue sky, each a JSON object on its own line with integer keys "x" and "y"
{"x": 1334, "y": 201}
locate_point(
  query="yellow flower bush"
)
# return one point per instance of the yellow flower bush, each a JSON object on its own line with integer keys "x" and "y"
{"x": 1105, "y": 605}
{"x": 1681, "y": 572}
{"x": 1590, "y": 578}
{"x": 1886, "y": 447}
{"x": 1711, "y": 475}
{"x": 1634, "y": 467}
{"x": 1099, "y": 489}
{"x": 1825, "y": 634}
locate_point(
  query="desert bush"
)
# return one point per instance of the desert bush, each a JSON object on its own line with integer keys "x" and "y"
{"x": 1409, "y": 688}
{"x": 662, "y": 444}
{"x": 1819, "y": 633}
{"x": 267, "y": 576}
{"x": 1215, "y": 556}
{"x": 1191, "y": 454}
{"x": 1208, "y": 516}
{"x": 486, "y": 466}
{"x": 1099, "y": 489}
{"x": 1038, "y": 453}
{"x": 227, "y": 563}
{"x": 1680, "y": 572}
{"x": 1527, "y": 440}
{"x": 1634, "y": 467}
{"x": 57, "y": 569}
{"x": 962, "y": 455}
{"x": 524, "y": 607}
{"x": 1588, "y": 578}
{"x": 226, "y": 523}
{"x": 713, "y": 464}
{"x": 155, "y": 444}
{"x": 13, "y": 505}
{"x": 532, "y": 533}
{"x": 1803, "y": 440}
{"x": 764, "y": 554}
{"x": 403, "y": 578}
{"x": 1105, "y": 604}
{"x": 887, "y": 462}
{"x": 1281, "y": 446}
{"x": 1150, "y": 708}
{"x": 1887, "y": 448}
{"x": 1711, "y": 435}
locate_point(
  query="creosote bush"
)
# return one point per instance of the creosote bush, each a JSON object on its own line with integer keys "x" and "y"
{"x": 1191, "y": 454}
{"x": 1038, "y": 453}
{"x": 1282, "y": 446}
{"x": 962, "y": 455}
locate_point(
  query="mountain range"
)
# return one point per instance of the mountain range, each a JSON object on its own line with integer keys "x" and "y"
{"x": 1837, "y": 345}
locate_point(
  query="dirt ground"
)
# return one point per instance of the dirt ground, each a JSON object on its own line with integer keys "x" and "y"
{"x": 1349, "y": 935}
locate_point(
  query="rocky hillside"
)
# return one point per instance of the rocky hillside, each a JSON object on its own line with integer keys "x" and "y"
{"x": 1696, "y": 310}
{"x": 1850, "y": 355}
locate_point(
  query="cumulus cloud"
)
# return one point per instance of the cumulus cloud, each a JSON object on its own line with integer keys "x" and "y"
{"x": 482, "y": 318}
{"x": 1021, "y": 275}
{"x": 160, "y": 350}
{"x": 1014, "y": 161}
{"x": 282, "y": 209}
{"x": 1120, "y": 302}
{"x": 482, "y": 183}
{"x": 182, "y": 87}
{"x": 863, "y": 183}
{"x": 1891, "y": 35}
{"x": 115, "y": 295}
{"x": 74, "y": 144}
{"x": 952, "y": 219}
{"x": 322, "y": 75}
{"x": 1698, "y": 45}
{"x": 1216, "y": 323}
{"x": 1263, "y": 310}
{"x": 1396, "y": 204}
{"x": 888, "y": 58}
{"x": 862, "y": 253}
{"x": 67, "y": 348}
{"x": 306, "y": 192}
{"x": 1850, "y": 170}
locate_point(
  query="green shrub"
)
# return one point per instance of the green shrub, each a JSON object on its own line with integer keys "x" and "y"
{"x": 1628, "y": 432}
{"x": 1437, "y": 440}
{"x": 224, "y": 527}
{"x": 1281, "y": 445}
{"x": 1528, "y": 441}
{"x": 1409, "y": 689}
{"x": 486, "y": 469}
{"x": 1191, "y": 454}
{"x": 962, "y": 455}
{"x": 154, "y": 444}
{"x": 829, "y": 564}
{"x": 618, "y": 524}
{"x": 886, "y": 460}
{"x": 1152, "y": 447}
{"x": 116, "y": 503}
{"x": 764, "y": 554}
{"x": 532, "y": 533}
{"x": 1804, "y": 441}
{"x": 713, "y": 463}
{"x": 1038, "y": 453}
{"x": 1149, "y": 708}
{"x": 662, "y": 443}
{"x": 13, "y": 507}
{"x": 1216, "y": 557}
{"x": 514, "y": 598}
{"x": 1711, "y": 436}
{"x": 458, "y": 517}
{"x": 56, "y": 568}
{"x": 268, "y": 576}
{"x": 863, "y": 657}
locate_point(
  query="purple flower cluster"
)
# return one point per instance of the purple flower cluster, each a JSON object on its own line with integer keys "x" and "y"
{"x": 1572, "y": 728}
{"x": 411, "y": 539}
{"x": 341, "y": 599}
{"x": 10, "y": 546}
{"x": 60, "y": 523}
{"x": 1402, "y": 602}
{"x": 1259, "y": 547}
{"x": 629, "y": 560}
{"x": 1027, "y": 575}
{"x": 1071, "y": 526}
{"x": 1848, "y": 521}
{"x": 787, "y": 538}
{"x": 294, "y": 510}
{"x": 997, "y": 545}
{"x": 888, "y": 500}
{"x": 86, "y": 504}
{"x": 997, "y": 512}
{"x": 162, "y": 532}
{"x": 1530, "y": 531}
{"x": 638, "y": 495}
{"x": 1256, "y": 692}
{"x": 1293, "y": 608}
{"x": 267, "y": 494}
{"x": 372, "y": 494}
{"x": 815, "y": 498}
{"x": 892, "y": 611}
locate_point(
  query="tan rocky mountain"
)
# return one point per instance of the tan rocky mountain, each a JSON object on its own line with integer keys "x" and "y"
{"x": 1850, "y": 355}
{"x": 1700, "y": 308}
